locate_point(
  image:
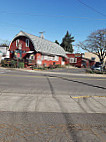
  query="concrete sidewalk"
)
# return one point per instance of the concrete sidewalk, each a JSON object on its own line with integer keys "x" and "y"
{"x": 48, "y": 103}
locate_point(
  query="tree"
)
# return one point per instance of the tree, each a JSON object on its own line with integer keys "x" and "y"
{"x": 56, "y": 41}
{"x": 96, "y": 44}
{"x": 67, "y": 42}
{"x": 4, "y": 45}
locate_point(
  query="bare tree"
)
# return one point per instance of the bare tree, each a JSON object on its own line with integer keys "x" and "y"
{"x": 96, "y": 44}
{"x": 4, "y": 43}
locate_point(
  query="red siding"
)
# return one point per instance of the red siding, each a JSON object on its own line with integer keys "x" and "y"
{"x": 22, "y": 40}
{"x": 46, "y": 62}
{"x": 79, "y": 59}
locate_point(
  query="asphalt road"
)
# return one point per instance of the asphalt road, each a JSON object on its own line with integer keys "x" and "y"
{"x": 44, "y": 83}
{"x": 59, "y": 106}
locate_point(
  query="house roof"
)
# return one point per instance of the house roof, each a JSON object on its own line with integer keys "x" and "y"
{"x": 43, "y": 45}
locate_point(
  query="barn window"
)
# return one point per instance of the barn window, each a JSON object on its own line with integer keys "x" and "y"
{"x": 42, "y": 57}
{"x": 45, "y": 57}
{"x": 17, "y": 42}
{"x": 56, "y": 58}
{"x": 31, "y": 57}
{"x": 27, "y": 42}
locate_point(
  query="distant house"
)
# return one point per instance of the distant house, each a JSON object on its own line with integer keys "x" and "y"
{"x": 4, "y": 52}
{"x": 36, "y": 50}
{"x": 74, "y": 59}
{"x": 92, "y": 56}
{"x": 89, "y": 59}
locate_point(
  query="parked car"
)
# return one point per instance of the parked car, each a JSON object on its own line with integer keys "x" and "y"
{"x": 97, "y": 66}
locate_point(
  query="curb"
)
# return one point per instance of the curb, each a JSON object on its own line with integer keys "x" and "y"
{"x": 87, "y": 97}
{"x": 61, "y": 73}
{"x": 71, "y": 74}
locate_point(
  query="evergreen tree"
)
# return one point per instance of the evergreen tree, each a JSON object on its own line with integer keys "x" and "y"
{"x": 67, "y": 42}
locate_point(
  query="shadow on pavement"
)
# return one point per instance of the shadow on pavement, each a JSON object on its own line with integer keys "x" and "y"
{"x": 84, "y": 83}
{"x": 72, "y": 133}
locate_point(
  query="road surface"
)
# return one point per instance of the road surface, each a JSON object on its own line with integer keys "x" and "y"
{"x": 59, "y": 106}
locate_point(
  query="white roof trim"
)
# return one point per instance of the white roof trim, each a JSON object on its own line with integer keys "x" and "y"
{"x": 30, "y": 52}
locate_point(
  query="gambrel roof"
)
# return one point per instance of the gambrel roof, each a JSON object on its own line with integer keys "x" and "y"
{"x": 43, "y": 45}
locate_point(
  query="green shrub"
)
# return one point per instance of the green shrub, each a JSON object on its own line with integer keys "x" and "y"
{"x": 20, "y": 64}
{"x": 4, "y": 63}
{"x": 51, "y": 66}
{"x": 13, "y": 64}
{"x": 57, "y": 66}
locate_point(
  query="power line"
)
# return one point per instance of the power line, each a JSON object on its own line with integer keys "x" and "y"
{"x": 93, "y": 9}
{"x": 44, "y": 15}
{"x": 23, "y": 27}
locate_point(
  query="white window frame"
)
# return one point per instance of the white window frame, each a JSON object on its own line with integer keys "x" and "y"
{"x": 56, "y": 58}
{"x": 27, "y": 42}
{"x": 48, "y": 58}
{"x": 45, "y": 57}
{"x": 42, "y": 57}
{"x": 51, "y": 58}
{"x": 73, "y": 60}
{"x": 17, "y": 42}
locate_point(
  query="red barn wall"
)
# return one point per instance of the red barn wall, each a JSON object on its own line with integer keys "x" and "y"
{"x": 38, "y": 56}
{"x": 22, "y": 40}
{"x": 48, "y": 63}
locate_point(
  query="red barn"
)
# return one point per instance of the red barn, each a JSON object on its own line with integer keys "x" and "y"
{"x": 36, "y": 50}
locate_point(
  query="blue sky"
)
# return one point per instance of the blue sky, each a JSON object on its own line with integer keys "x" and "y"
{"x": 54, "y": 17}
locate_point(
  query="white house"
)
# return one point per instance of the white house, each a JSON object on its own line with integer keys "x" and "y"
{"x": 4, "y": 53}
